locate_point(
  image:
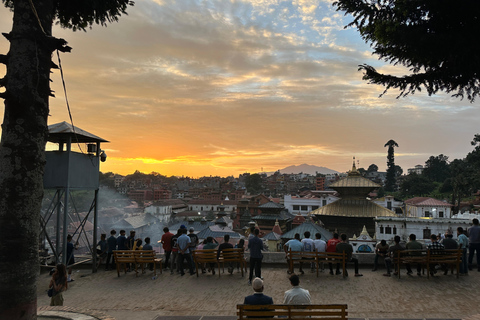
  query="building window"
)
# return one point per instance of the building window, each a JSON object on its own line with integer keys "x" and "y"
{"x": 388, "y": 230}
{"x": 394, "y": 229}
{"x": 381, "y": 229}
{"x": 428, "y": 214}
{"x": 440, "y": 214}
{"x": 389, "y": 205}
{"x": 324, "y": 202}
{"x": 427, "y": 233}
{"x": 304, "y": 208}
{"x": 296, "y": 207}
{"x": 314, "y": 208}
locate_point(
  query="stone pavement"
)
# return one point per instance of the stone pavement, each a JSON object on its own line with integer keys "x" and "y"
{"x": 208, "y": 297}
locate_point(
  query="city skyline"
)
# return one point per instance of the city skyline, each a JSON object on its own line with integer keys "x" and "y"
{"x": 200, "y": 88}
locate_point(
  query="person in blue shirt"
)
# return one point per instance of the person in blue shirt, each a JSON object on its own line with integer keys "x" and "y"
{"x": 294, "y": 245}
{"x": 183, "y": 244}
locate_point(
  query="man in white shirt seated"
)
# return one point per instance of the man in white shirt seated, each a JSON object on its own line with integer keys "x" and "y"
{"x": 296, "y": 295}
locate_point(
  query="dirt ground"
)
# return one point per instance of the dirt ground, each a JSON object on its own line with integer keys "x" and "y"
{"x": 371, "y": 296}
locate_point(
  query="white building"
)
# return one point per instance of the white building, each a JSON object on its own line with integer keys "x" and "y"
{"x": 314, "y": 200}
{"x": 424, "y": 207}
{"x": 418, "y": 169}
{"x": 212, "y": 205}
{"x": 390, "y": 203}
{"x": 163, "y": 209}
{"x": 386, "y": 228}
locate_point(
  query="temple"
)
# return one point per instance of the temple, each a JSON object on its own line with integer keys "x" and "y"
{"x": 353, "y": 210}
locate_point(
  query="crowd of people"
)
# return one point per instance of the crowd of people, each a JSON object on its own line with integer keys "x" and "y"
{"x": 178, "y": 250}
{"x": 467, "y": 240}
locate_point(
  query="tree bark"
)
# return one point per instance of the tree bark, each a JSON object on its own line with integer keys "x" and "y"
{"x": 22, "y": 156}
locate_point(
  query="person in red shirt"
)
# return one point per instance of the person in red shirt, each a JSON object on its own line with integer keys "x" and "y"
{"x": 167, "y": 245}
{"x": 331, "y": 247}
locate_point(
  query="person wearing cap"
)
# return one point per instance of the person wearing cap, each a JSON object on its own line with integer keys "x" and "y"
{"x": 258, "y": 297}
{"x": 296, "y": 295}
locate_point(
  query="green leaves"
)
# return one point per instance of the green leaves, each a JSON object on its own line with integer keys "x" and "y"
{"x": 434, "y": 39}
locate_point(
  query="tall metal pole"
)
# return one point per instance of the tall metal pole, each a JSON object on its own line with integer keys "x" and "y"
{"x": 58, "y": 240}
{"x": 94, "y": 251}
{"x": 95, "y": 214}
{"x": 65, "y": 203}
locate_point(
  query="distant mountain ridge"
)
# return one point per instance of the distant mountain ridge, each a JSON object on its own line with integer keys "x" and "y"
{"x": 305, "y": 168}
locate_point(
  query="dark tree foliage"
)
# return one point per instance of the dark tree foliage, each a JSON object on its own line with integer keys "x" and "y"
{"x": 372, "y": 168}
{"x": 416, "y": 185}
{"x": 253, "y": 183}
{"x": 437, "y": 168}
{"x": 24, "y": 134}
{"x": 391, "y": 171}
{"x": 433, "y": 39}
{"x": 398, "y": 171}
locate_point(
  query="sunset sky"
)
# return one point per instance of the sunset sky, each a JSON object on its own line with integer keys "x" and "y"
{"x": 224, "y": 87}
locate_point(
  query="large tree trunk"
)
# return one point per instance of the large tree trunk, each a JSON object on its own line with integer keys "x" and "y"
{"x": 22, "y": 156}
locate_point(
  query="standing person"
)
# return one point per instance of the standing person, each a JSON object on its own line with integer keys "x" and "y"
{"x": 296, "y": 295}
{"x": 167, "y": 244}
{"x": 122, "y": 241}
{"x": 111, "y": 246}
{"x": 174, "y": 257}
{"x": 183, "y": 244}
{"x": 463, "y": 244}
{"x": 331, "y": 247}
{"x": 102, "y": 249}
{"x": 70, "y": 257}
{"x": 59, "y": 284}
{"x": 346, "y": 247}
{"x": 225, "y": 245}
{"x": 255, "y": 246}
{"x": 294, "y": 245}
{"x": 474, "y": 244}
{"x": 308, "y": 246}
{"x": 381, "y": 250}
{"x": 320, "y": 246}
{"x": 130, "y": 243}
{"x": 413, "y": 244}
{"x": 258, "y": 298}
{"x": 193, "y": 244}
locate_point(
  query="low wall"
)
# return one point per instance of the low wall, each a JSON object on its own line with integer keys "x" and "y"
{"x": 279, "y": 258}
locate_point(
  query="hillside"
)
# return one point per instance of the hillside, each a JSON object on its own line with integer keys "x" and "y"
{"x": 306, "y": 168}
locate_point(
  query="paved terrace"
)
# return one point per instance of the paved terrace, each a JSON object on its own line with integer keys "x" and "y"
{"x": 373, "y": 296}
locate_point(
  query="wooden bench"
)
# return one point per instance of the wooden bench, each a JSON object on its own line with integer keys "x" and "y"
{"x": 317, "y": 258}
{"x": 233, "y": 255}
{"x": 428, "y": 259}
{"x": 297, "y": 312}
{"x": 206, "y": 256}
{"x": 136, "y": 258}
